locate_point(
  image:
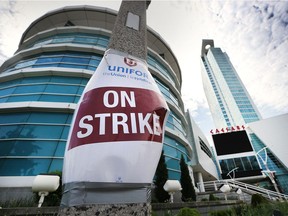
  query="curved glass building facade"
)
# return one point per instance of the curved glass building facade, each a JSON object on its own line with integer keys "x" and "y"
{"x": 42, "y": 83}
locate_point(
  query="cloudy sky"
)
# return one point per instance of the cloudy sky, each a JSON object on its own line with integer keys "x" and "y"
{"x": 253, "y": 33}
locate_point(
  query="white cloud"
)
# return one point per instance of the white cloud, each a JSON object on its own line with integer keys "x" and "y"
{"x": 7, "y": 12}
{"x": 253, "y": 33}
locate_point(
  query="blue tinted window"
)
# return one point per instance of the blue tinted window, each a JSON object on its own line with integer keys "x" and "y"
{"x": 170, "y": 151}
{"x": 172, "y": 163}
{"x": 35, "y": 80}
{"x": 6, "y": 147}
{"x": 7, "y": 91}
{"x": 59, "y": 118}
{"x": 61, "y": 59}
{"x": 60, "y": 149}
{"x": 102, "y": 42}
{"x": 65, "y": 132}
{"x": 10, "y": 83}
{"x": 2, "y": 100}
{"x": 72, "y": 66}
{"x": 32, "y": 97}
{"x": 45, "y": 65}
{"x": 29, "y": 89}
{"x": 10, "y": 131}
{"x": 76, "y": 60}
{"x": 69, "y": 89}
{"x": 94, "y": 62}
{"x": 61, "y": 79}
{"x": 173, "y": 175}
{"x": 48, "y": 60}
{"x": 57, "y": 98}
{"x": 160, "y": 67}
{"x": 28, "y": 148}
{"x": 91, "y": 68}
{"x": 80, "y": 90}
{"x": 41, "y": 131}
{"x": 85, "y": 40}
{"x": 24, "y": 64}
{"x": 76, "y": 99}
{"x": 63, "y": 40}
{"x": 80, "y": 38}
{"x": 69, "y": 120}
{"x": 180, "y": 149}
{"x": 56, "y": 165}
{"x": 23, "y": 167}
{"x": 13, "y": 118}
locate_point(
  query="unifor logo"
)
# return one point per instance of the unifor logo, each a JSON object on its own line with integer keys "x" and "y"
{"x": 130, "y": 62}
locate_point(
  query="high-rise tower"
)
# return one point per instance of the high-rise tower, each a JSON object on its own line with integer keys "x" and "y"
{"x": 231, "y": 106}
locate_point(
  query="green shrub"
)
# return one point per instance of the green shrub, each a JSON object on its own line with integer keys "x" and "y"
{"x": 258, "y": 199}
{"x": 153, "y": 214}
{"x": 226, "y": 212}
{"x": 212, "y": 197}
{"x": 281, "y": 206}
{"x": 261, "y": 209}
{"x": 188, "y": 212}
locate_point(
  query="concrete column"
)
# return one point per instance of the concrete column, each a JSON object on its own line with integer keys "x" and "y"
{"x": 200, "y": 180}
{"x": 130, "y": 30}
{"x": 129, "y": 37}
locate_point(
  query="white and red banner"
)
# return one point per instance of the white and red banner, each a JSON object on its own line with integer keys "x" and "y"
{"x": 118, "y": 127}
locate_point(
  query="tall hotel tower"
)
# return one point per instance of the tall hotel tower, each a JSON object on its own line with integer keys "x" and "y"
{"x": 41, "y": 84}
{"x": 231, "y": 106}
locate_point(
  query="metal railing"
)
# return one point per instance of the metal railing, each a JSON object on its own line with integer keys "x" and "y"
{"x": 213, "y": 186}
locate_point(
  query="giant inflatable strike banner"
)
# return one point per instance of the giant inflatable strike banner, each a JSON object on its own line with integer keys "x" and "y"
{"x": 118, "y": 127}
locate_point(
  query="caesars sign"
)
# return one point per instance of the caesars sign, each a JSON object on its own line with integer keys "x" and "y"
{"x": 117, "y": 130}
{"x": 227, "y": 129}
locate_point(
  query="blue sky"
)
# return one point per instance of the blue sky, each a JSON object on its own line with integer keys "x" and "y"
{"x": 253, "y": 33}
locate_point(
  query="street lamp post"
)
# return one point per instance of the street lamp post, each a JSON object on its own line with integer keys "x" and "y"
{"x": 268, "y": 172}
{"x": 238, "y": 190}
{"x": 233, "y": 173}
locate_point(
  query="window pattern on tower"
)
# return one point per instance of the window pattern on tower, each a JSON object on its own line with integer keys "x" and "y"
{"x": 243, "y": 163}
{"x": 168, "y": 94}
{"x": 45, "y": 88}
{"x": 175, "y": 123}
{"x": 204, "y": 148}
{"x": 272, "y": 162}
{"x": 217, "y": 93}
{"x": 59, "y": 59}
{"x": 240, "y": 96}
{"x": 153, "y": 62}
{"x": 74, "y": 38}
{"x": 173, "y": 151}
{"x": 32, "y": 142}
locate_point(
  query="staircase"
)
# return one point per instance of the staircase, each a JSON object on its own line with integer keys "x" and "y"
{"x": 213, "y": 186}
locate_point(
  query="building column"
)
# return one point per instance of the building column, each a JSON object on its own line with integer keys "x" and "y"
{"x": 200, "y": 181}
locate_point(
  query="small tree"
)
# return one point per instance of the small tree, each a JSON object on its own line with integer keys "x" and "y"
{"x": 188, "y": 192}
{"x": 161, "y": 177}
{"x": 258, "y": 199}
{"x": 188, "y": 212}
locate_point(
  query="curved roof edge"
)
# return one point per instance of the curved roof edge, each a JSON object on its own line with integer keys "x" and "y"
{"x": 174, "y": 64}
{"x": 63, "y": 9}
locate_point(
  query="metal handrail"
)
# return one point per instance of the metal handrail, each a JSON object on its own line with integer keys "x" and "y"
{"x": 247, "y": 188}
